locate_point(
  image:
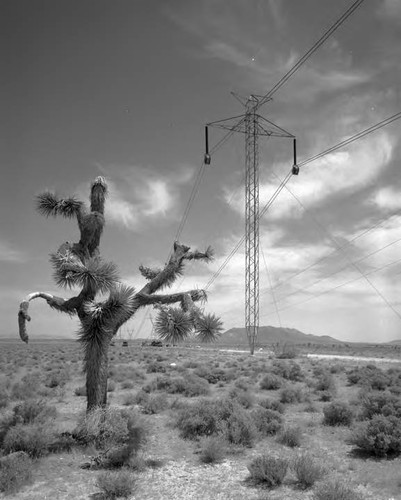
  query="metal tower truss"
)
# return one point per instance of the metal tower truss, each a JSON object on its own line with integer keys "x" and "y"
{"x": 252, "y": 125}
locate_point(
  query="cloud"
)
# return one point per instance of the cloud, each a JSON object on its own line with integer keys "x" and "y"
{"x": 138, "y": 195}
{"x": 337, "y": 174}
{"x": 391, "y": 10}
{"x": 387, "y": 198}
{"x": 10, "y": 254}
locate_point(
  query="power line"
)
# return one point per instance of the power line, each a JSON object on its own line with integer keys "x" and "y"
{"x": 311, "y": 51}
{"x": 290, "y": 306}
{"x": 353, "y": 138}
{"x": 296, "y": 66}
{"x": 241, "y": 241}
{"x": 271, "y": 287}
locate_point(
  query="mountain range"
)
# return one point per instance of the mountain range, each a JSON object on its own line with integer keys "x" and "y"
{"x": 272, "y": 335}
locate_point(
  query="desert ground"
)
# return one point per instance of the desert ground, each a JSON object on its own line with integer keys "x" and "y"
{"x": 204, "y": 423}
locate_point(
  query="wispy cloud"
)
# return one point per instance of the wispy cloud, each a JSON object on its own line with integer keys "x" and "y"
{"x": 337, "y": 174}
{"x": 8, "y": 253}
{"x": 138, "y": 195}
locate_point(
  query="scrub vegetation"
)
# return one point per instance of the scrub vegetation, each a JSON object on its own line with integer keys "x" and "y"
{"x": 198, "y": 423}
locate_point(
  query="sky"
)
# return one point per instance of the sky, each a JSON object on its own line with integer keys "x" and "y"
{"x": 123, "y": 89}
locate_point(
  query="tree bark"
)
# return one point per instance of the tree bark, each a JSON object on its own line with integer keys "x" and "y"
{"x": 96, "y": 374}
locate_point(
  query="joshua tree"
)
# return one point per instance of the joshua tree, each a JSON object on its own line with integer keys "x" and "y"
{"x": 80, "y": 265}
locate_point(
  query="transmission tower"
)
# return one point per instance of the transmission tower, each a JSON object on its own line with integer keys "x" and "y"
{"x": 252, "y": 125}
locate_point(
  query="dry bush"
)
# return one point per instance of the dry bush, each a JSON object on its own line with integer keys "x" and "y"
{"x": 212, "y": 449}
{"x": 32, "y": 410}
{"x": 380, "y": 436}
{"x": 307, "y": 470}
{"x": 338, "y": 413}
{"x": 34, "y": 439}
{"x": 155, "y": 403}
{"x": 272, "y": 404}
{"x": 379, "y": 403}
{"x": 267, "y": 422}
{"x": 268, "y": 470}
{"x": 114, "y": 484}
{"x": 290, "y": 436}
{"x": 244, "y": 397}
{"x": 271, "y": 382}
{"x": 335, "y": 489}
{"x": 291, "y": 394}
{"x": 15, "y": 472}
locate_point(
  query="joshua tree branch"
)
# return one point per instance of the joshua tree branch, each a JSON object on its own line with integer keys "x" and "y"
{"x": 194, "y": 295}
{"x": 63, "y": 305}
{"x": 174, "y": 267}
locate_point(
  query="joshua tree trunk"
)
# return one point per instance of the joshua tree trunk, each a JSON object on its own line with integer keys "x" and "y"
{"x": 96, "y": 375}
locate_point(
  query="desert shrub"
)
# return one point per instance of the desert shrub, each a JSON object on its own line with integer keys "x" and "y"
{"x": 34, "y": 439}
{"x": 239, "y": 428}
{"x": 286, "y": 351}
{"x": 155, "y": 404}
{"x": 129, "y": 399}
{"x": 369, "y": 376}
{"x": 288, "y": 370}
{"x": 271, "y": 382}
{"x": 15, "y": 471}
{"x": 155, "y": 367}
{"x": 272, "y": 404}
{"x": 335, "y": 489}
{"x": 80, "y": 391}
{"x": 242, "y": 383}
{"x": 127, "y": 384}
{"x": 190, "y": 386}
{"x": 337, "y": 368}
{"x": 141, "y": 397}
{"x": 268, "y": 470}
{"x": 338, "y": 413}
{"x": 212, "y": 450}
{"x": 307, "y": 470}
{"x": 380, "y": 436}
{"x": 32, "y": 410}
{"x": 208, "y": 417}
{"x": 380, "y": 403}
{"x": 325, "y": 386}
{"x": 291, "y": 395}
{"x": 214, "y": 375}
{"x": 25, "y": 389}
{"x": 107, "y": 427}
{"x": 290, "y": 436}
{"x": 114, "y": 484}
{"x": 267, "y": 422}
{"x": 56, "y": 378}
{"x": 244, "y": 397}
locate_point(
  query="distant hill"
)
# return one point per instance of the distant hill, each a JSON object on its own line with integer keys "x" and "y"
{"x": 272, "y": 335}
{"x": 395, "y": 342}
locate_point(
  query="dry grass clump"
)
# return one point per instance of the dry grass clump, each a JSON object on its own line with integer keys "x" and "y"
{"x": 271, "y": 382}
{"x": 80, "y": 391}
{"x": 15, "y": 472}
{"x": 335, "y": 489}
{"x": 307, "y": 470}
{"x": 291, "y": 394}
{"x": 34, "y": 439}
{"x": 268, "y": 470}
{"x": 114, "y": 484}
{"x": 290, "y": 436}
{"x": 267, "y": 422}
{"x": 155, "y": 403}
{"x": 212, "y": 449}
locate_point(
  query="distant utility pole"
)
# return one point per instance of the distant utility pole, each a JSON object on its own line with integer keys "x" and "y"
{"x": 252, "y": 125}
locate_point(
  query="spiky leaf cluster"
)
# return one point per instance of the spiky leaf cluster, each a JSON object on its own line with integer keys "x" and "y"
{"x": 173, "y": 324}
{"x": 48, "y": 204}
{"x": 93, "y": 274}
{"x": 208, "y": 327}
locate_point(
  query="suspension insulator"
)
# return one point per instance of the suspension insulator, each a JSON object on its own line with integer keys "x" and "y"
{"x": 207, "y": 159}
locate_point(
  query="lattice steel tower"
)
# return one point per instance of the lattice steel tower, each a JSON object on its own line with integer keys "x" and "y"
{"x": 252, "y": 125}
{"x": 251, "y": 222}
